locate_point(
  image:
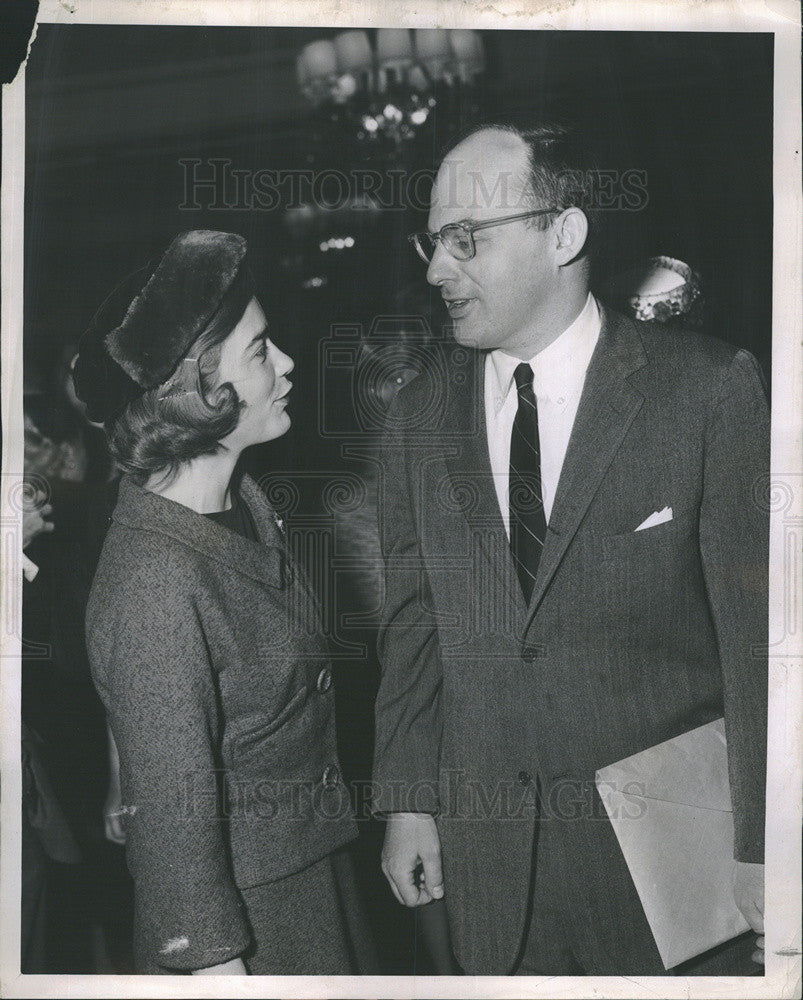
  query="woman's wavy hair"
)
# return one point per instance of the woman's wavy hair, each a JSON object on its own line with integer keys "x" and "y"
{"x": 188, "y": 414}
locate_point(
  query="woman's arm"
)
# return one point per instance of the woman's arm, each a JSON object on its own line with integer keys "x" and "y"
{"x": 149, "y": 654}
{"x": 116, "y": 833}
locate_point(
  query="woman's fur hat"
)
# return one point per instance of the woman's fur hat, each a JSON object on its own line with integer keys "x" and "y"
{"x": 145, "y": 327}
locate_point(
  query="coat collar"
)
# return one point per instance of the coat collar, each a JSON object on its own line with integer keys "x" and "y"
{"x": 608, "y": 405}
{"x": 266, "y": 561}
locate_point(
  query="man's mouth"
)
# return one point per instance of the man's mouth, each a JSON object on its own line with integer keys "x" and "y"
{"x": 458, "y": 307}
{"x": 284, "y": 395}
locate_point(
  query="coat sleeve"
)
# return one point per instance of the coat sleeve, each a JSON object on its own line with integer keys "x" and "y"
{"x": 734, "y": 542}
{"x": 163, "y": 714}
{"x": 408, "y": 704}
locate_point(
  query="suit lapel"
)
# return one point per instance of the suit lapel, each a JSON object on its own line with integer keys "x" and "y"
{"x": 608, "y": 405}
{"x": 469, "y": 467}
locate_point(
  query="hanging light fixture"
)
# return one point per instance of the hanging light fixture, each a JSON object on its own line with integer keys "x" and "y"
{"x": 387, "y": 90}
{"x": 374, "y": 94}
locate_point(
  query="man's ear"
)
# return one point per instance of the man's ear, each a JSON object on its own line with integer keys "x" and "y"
{"x": 571, "y": 233}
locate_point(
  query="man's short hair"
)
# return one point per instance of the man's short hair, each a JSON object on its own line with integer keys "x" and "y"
{"x": 563, "y": 171}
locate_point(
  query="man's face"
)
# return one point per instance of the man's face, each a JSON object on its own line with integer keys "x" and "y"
{"x": 497, "y": 298}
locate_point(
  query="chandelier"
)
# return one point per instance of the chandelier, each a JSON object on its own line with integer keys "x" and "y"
{"x": 381, "y": 100}
{"x": 385, "y": 93}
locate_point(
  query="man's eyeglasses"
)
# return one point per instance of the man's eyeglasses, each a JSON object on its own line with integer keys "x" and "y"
{"x": 457, "y": 238}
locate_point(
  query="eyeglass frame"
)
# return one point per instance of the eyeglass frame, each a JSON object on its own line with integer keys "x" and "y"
{"x": 470, "y": 228}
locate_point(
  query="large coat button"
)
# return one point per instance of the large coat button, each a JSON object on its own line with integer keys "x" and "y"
{"x": 331, "y": 776}
{"x": 524, "y": 777}
{"x": 531, "y": 653}
{"x": 324, "y": 680}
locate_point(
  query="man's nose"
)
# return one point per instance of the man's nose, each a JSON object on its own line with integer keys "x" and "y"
{"x": 442, "y": 266}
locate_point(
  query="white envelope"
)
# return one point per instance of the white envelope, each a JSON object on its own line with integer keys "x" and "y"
{"x": 670, "y": 807}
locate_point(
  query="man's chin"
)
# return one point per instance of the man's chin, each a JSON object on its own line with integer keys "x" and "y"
{"x": 467, "y": 336}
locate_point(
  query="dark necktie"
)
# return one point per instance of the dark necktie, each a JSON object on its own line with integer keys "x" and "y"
{"x": 527, "y": 519}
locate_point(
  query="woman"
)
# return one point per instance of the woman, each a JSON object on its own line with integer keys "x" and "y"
{"x": 218, "y": 697}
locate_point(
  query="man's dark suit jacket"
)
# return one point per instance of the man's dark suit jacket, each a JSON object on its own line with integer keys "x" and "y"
{"x": 631, "y": 637}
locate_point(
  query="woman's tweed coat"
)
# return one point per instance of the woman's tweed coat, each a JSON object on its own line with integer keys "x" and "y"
{"x": 206, "y": 651}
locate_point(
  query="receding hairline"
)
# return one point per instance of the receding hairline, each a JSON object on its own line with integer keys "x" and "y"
{"x": 506, "y": 143}
{"x": 511, "y": 141}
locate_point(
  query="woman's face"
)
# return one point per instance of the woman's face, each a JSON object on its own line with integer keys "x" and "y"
{"x": 257, "y": 369}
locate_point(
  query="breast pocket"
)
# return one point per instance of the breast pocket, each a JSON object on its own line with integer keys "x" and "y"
{"x": 650, "y": 542}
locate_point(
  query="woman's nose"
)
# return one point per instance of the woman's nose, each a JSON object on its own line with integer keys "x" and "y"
{"x": 284, "y": 363}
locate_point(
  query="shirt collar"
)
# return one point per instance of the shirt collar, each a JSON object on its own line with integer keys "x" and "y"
{"x": 560, "y": 368}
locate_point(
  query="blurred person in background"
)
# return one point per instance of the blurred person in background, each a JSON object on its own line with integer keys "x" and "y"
{"x": 68, "y": 465}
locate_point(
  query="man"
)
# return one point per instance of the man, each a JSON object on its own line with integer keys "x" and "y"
{"x": 531, "y": 634}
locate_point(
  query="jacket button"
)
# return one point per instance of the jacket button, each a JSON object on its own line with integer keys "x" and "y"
{"x": 530, "y": 653}
{"x": 525, "y": 777}
{"x": 331, "y": 776}
{"x": 324, "y": 680}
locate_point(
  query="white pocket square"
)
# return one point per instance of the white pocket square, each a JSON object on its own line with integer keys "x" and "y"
{"x": 657, "y": 518}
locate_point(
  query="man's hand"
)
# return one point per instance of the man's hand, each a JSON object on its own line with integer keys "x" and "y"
{"x": 234, "y": 967}
{"x": 412, "y": 842}
{"x": 748, "y": 891}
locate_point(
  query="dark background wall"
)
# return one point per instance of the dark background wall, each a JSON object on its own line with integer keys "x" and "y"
{"x": 112, "y": 110}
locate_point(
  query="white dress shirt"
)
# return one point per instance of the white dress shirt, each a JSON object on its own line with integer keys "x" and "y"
{"x": 559, "y": 373}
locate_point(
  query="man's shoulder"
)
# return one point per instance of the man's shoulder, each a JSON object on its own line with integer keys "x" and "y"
{"x": 675, "y": 353}
{"x": 670, "y": 344}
